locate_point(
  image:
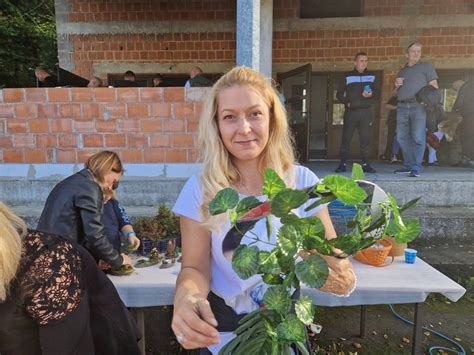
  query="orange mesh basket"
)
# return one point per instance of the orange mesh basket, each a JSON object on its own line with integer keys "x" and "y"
{"x": 375, "y": 256}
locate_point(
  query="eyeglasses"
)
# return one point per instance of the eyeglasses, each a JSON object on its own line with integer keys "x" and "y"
{"x": 115, "y": 185}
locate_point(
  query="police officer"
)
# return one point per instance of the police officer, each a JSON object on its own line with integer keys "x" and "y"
{"x": 358, "y": 91}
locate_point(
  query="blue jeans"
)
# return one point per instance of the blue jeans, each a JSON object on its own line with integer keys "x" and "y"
{"x": 411, "y": 133}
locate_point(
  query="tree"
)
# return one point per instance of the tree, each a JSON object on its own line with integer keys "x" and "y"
{"x": 27, "y": 39}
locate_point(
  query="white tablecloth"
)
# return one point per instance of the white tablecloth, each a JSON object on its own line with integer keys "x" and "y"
{"x": 397, "y": 283}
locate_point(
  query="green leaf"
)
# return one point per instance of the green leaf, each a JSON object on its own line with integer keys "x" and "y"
{"x": 268, "y": 263}
{"x": 287, "y": 239}
{"x": 245, "y": 261}
{"x": 348, "y": 243}
{"x": 271, "y": 279}
{"x": 278, "y": 299}
{"x": 313, "y": 271}
{"x": 245, "y": 205}
{"x": 409, "y": 204}
{"x": 357, "y": 172}
{"x": 323, "y": 200}
{"x": 225, "y": 199}
{"x": 322, "y": 245}
{"x": 291, "y": 330}
{"x": 286, "y": 200}
{"x": 305, "y": 310}
{"x": 345, "y": 189}
{"x": 272, "y": 183}
{"x": 406, "y": 233}
{"x": 290, "y": 218}
{"x": 302, "y": 348}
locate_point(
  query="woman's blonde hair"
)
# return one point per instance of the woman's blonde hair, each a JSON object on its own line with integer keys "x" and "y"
{"x": 218, "y": 169}
{"x": 12, "y": 230}
{"x": 103, "y": 163}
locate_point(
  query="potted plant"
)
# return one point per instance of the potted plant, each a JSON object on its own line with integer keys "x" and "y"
{"x": 280, "y": 323}
{"x": 157, "y": 230}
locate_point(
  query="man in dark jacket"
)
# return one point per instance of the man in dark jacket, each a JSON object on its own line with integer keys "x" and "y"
{"x": 46, "y": 80}
{"x": 358, "y": 91}
{"x": 465, "y": 105}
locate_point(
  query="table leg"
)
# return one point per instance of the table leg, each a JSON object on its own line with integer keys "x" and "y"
{"x": 362, "y": 321}
{"x": 417, "y": 331}
{"x": 140, "y": 317}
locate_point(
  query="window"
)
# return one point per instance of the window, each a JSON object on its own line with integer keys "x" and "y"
{"x": 330, "y": 8}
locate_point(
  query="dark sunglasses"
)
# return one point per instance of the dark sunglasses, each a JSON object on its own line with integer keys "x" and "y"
{"x": 115, "y": 185}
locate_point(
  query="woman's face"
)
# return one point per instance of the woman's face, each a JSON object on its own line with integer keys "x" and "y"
{"x": 244, "y": 122}
{"x": 111, "y": 180}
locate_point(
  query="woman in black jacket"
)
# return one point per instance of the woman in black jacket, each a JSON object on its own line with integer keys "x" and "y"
{"x": 74, "y": 207}
{"x": 54, "y": 299}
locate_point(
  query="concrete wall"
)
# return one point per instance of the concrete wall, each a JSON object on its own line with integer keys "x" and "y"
{"x": 67, "y": 125}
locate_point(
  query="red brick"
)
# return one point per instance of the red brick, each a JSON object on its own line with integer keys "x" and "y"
{"x": 192, "y": 125}
{"x": 17, "y": 126}
{"x": 151, "y": 125}
{"x": 81, "y": 94}
{"x": 159, "y": 140}
{"x": 83, "y": 155}
{"x": 127, "y": 94}
{"x": 176, "y": 156}
{"x": 151, "y": 94}
{"x": 113, "y": 110}
{"x": 46, "y": 141}
{"x": 173, "y": 94}
{"x": 67, "y": 141}
{"x": 192, "y": 155}
{"x": 35, "y": 95}
{"x": 90, "y": 111}
{"x": 137, "y": 110}
{"x": 47, "y": 110}
{"x": 5, "y": 142}
{"x": 115, "y": 140}
{"x": 162, "y": 109}
{"x": 128, "y": 125}
{"x": 153, "y": 155}
{"x": 131, "y": 156}
{"x": 106, "y": 125}
{"x": 13, "y": 156}
{"x": 6, "y": 111}
{"x": 105, "y": 95}
{"x": 35, "y": 156}
{"x": 174, "y": 125}
{"x": 23, "y": 141}
{"x": 13, "y": 95}
{"x": 137, "y": 140}
{"x": 39, "y": 125}
{"x": 93, "y": 140}
{"x": 83, "y": 126}
{"x": 66, "y": 156}
{"x": 70, "y": 110}
{"x": 26, "y": 110}
{"x": 59, "y": 95}
{"x": 182, "y": 141}
{"x": 182, "y": 110}
{"x": 61, "y": 125}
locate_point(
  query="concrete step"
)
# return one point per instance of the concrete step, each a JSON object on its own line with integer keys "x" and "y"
{"x": 438, "y": 224}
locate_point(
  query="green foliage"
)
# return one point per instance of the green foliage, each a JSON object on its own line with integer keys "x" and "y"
{"x": 164, "y": 224}
{"x": 27, "y": 39}
{"x": 295, "y": 257}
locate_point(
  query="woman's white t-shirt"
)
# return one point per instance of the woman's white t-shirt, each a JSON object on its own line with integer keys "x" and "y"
{"x": 243, "y": 296}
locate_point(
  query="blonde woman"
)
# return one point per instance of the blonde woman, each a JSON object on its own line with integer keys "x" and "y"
{"x": 54, "y": 299}
{"x": 243, "y": 130}
{"x": 73, "y": 209}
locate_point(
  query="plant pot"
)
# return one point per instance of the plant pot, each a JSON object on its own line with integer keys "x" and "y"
{"x": 145, "y": 245}
{"x": 162, "y": 245}
{"x": 398, "y": 249}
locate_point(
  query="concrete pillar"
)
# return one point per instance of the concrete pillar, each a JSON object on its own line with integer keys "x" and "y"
{"x": 65, "y": 46}
{"x": 255, "y": 34}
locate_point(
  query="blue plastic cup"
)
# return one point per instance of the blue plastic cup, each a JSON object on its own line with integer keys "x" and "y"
{"x": 410, "y": 256}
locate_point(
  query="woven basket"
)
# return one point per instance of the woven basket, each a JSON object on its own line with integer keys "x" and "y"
{"x": 375, "y": 256}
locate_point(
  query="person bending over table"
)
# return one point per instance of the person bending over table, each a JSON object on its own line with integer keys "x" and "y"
{"x": 73, "y": 208}
{"x": 243, "y": 130}
{"x": 54, "y": 299}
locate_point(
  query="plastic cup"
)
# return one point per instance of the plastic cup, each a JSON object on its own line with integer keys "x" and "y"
{"x": 410, "y": 256}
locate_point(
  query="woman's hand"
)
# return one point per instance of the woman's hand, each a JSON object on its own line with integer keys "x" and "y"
{"x": 193, "y": 321}
{"x": 341, "y": 279}
{"x": 133, "y": 241}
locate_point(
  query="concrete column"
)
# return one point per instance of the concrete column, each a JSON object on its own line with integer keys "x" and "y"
{"x": 65, "y": 46}
{"x": 255, "y": 34}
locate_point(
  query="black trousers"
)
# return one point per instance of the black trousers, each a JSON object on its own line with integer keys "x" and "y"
{"x": 392, "y": 126}
{"x": 360, "y": 119}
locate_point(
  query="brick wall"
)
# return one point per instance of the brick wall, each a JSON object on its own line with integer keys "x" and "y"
{"x": 67, "y": 125}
